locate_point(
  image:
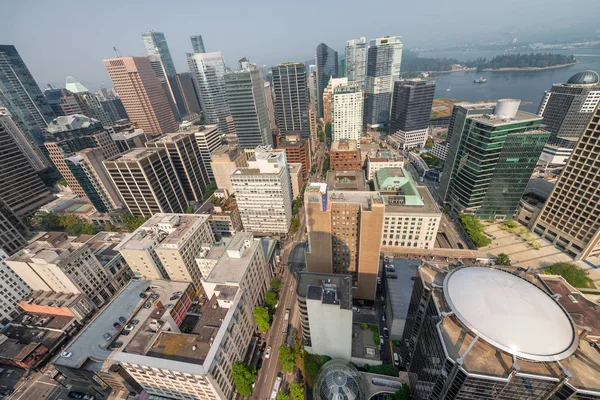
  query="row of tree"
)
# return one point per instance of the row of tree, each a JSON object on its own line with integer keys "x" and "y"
{"x": 518, "y": 60}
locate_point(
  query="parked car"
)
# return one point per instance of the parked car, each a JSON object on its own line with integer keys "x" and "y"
{"x": 134, "y": 321}
{"x": 268, "y": 352}
{"x": 386, "y": 333}
{"x": 107, "y": 336}
{"x": 66, "y": 354}
{"x": 380, "y": 339}
{"x": 129, "y": 327}
{"x": 116, "y": 345}
{"x": 143, "y": 295}
{"x": 122, "y": 320}
{"x": 117, "y": 326}
{"x": 382, "y": 317}
{"x": 76, "y": 395}
{"x": 396, "y": 360}
{"x": 89, "y": 397}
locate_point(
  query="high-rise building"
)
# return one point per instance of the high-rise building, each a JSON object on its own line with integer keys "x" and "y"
{"x": 311, "y": 87}
{"x": 383, "y": 69}
{"x": 127, "y": 137}
{"x": 13, "y": 232}
{"x": 208, "y": 71}
{"x": 356, "y": 61}
{"x": 411, "y": 109}
{"x": 187, "y": 160}
{"x": 296, "y": 151}
{"x": 142, "y": 94}
{"x": 567, "y": 109}
{"x": 63, "y": 102}
{"x": 246, "y": 98}
{"x": 22, "y": 96}
{"x": 328, "y": 97}
{"x": 270, "y": 105}
{"x": 326, "y": 59}
{"x": 224, "y": 162}
{"x": 91, "y": 101}
{"x": 197, "y": 44}
{"x": 147, "y": 182}
{"x": 289, "y": 86}
{"x": 347, "y": 113}
{"x": 263, "y": 192}
{"x": 189, "y": 98}
{"x": 171, "y": 91}
{"x": 90, "y": 163}
{"x": 12, "y": 290}
{"x": 496, "y": 155}
{"x": 209, "y": 140}
{"x": 570, "y": 216}
{"x": 344, "y": 235}
{"x": 457, "y": 343}
{"x": 156, "y": 44}
{"x": 20, "y": 187}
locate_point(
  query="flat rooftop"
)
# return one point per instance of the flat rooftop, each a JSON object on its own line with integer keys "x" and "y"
{"x": 344, "y": 145}
{"x": 233, "y": 258}
{"x": 365, "y": 199}
{"x": 170, "y": 137}
{"x": 295, "y": 168}
{"x": 317, "y": 286}
{"x": 400, "y": 289}
{"x": 398, "y": 204}
{"x": 134, "y": 154}
{"x": 347, "y": 180}
{"x": 493, "y": 120}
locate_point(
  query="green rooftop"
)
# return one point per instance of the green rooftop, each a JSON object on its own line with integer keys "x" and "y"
{"x": 399, "y": 182}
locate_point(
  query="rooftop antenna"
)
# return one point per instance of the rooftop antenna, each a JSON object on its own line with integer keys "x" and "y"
{"x": 117, "y": 52}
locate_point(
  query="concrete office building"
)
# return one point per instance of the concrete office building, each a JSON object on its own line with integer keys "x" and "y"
{"x": 29, "y": 149}
{"x": 383, "y": 69}
{"x": 457, "y": 343}
{"x": 208, "y": 71}
{"x": 164, "y": 247}
{"x": 326, "y": 60}
{"x": 21, "y": 188}
{"x": 328, "y": 97}
{"x": 63, "y": 102}
{"x": 156, "y": 44}
{"x": 325, "y": 305}
{"x": 507, "y": 145}
{"x": 344, "y": 235}
{"x": 245, "y": 91}
{"x": 380, "y": 159}
{"x": 189, "y": 103}
{"x": 291, "y": 108}
{"x": 347, "y": 113}
{"x": 570, "y": 215}
{"x": 263, "y": 192}
{"x": 296, "y": 178}
{"x": 197, "y": 44}
{"x": 161, "y": 74}
{"x": 356, "y": 61}
{"x": 147, "y": 182}
{"x": 270, "y": 105}
{"x": 209, "y": 140}
{"x": 411, "y": 109}
{"x": 567, "y": 109}
{"x": 60, "y": 263}
{"x": 22, "y": 96}
{"x": 12, "y": 290}
{"x": 126, "y": 137}
{"x": 345, "y": 156}
{"x": 296, "y": 151}
{"x": 187, "y": 161}
{"x": 142, "y": 94}
{"x": 225, "y": 161}
{"x": 90, "y": 162}
{"x": 13, "y": 232}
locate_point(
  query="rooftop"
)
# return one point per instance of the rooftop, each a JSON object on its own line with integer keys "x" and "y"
{"x": 71, "y": 122}
{"x": 328, "y": 288}
{"x": 233, "y": 257}
{"x": 344, "y": 145}
{"x": 494, "y": 120}
{"x": 402, "y": 203}
{"x": 200, "y": 129}
{"x": 295, "y": 168}
{"x": 347, "y": 180}
{"x": 400, "y": 289}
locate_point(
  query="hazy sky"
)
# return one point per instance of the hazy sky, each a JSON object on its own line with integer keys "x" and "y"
{"x": 66, "y": 37}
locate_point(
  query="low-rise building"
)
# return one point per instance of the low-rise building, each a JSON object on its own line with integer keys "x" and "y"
{"x": 65, "y": 305}
{"x": 225, "y": 219}
{"x": 296, "y": 176}
{"x": 344, "y": 156}
{"x": 69, "y": 203}
{"x": 381, "y": 159}
{"x": 297, "y": 150}
{"x": 347, "y": 180}
{"x": 27, "y": 347}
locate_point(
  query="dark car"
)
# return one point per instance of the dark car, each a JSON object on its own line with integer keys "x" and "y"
{"x": 143, "y": 295}
{"x": 76, "y": 395}
{"x": 116, "y": 345}
{"x": 125, "y": 333}
{"x": 134, "y": 321}
{"x": 122, "y": 320}
{"x": 117, "y": 326}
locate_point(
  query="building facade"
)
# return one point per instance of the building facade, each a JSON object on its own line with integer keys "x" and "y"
{"x": 209, "y": 140}
{"x": 12, "y": 290}
{"x": 345, "y": 156}
{"x": 13, "y": 232}
{"x": 270, "y": 104}
{"x": 356, "y": 61}
{"x": 328, "y": 97}
{"x": 90, "y": 162}
{"x": 347, "y": 115}
{"x": 326, "y": 60}
{"x": 291, "y": 107}
{"x": 225, "y": 161}
{"x": 296, "y": 151}
{"x": 197, "y": 44}
{"x": 156, "y": 44}
{"x": 411, "y": 109}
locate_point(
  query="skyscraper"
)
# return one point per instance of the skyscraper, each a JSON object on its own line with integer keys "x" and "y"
{"x": 208, "y": 71}
{"x": 289, "y": 86}
{"x": 383, "y": 69}
{"x": 495, "y": 158}
{"x": 13, "y": 290}
{"x": 90, "y": 162}
{"x": 570, "y": 217}
{"x": 356, "y": 61}
{"x": 328, "y": 96}
{"x": 22, "y": 96}
{"x": 143, "y": 96}
{"x": 197, "y": 44}
{"x": 270, "y": 106}
{"x": 156, "y": 44}
{"x": 159, "y": 69}
{"x": 326, "y": 59}
{"x": 188, "y": 94}
{"x": 567, "y": 109}
{"x": 347, "y": 114}
{"x": 35, "y": 157}
{"x": 246, "y": 98}
{"x": 147, "y": 182}
{"x": 208, "y": 140}
{"x": 20, "y": 187}
{"x": 13, "y": 232}
{"x": 411, "y": 108}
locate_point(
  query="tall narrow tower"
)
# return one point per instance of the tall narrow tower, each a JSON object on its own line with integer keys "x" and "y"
{"x": 156, "y": 44}
{"x": 291, "y": 110}
{"x": 326, "y": 59}
{"x": 356, "y": 61}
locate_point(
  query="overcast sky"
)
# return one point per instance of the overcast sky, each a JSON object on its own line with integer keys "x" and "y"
{"x": 67, "y": 37}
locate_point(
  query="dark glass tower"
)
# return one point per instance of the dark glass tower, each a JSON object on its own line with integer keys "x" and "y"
{"x": 156, "y": 44}
{"x": 326, "y": 59}
{"x": 411, "y": 108}
{"x": 291, "y": 108}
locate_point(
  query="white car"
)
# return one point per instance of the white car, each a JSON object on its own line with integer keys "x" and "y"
{"x": 66, "y": 354}
{"x": 380, "y": 339}
{"x": 268, "y": 352}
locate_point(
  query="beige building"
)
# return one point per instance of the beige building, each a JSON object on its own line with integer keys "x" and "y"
{"x": 209, "y": 140}
{"x": 225, "y": 219}
{"x": 296, "y": 178}
{"x": 165, "y": 247}
{"x": 142, "y": 94}
{"x": 379, "y": 160}
{"x": 147, "y": 182}
{"x": 328, "y": 97}
{"x": 344, "y": 235}
{"x": 225, "y": 160}
{"x": 570, "y": 218}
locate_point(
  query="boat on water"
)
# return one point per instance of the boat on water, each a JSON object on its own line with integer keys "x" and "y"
{"x": 449, "y": 89}
{"x": 480, "y": 80}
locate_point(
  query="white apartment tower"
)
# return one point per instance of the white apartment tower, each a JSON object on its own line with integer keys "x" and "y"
{"x": 347, "y": 112}
{"x": 356, "y": 61}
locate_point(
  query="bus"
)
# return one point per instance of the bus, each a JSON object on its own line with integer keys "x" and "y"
{"x": 276, "y": 387}
{"x": 286, "y": 321}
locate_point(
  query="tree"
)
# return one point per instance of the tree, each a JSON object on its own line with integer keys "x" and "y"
{"x": 328, "y": 130}
{"x": 297, "y": 390}
{"x": 243, "y": 376}
{"x": 402, "y": 394}
{"x": 502, "y": 259}
{"x": 271, "y": 299}
{"x": 429, "y": 143}
{"x": 286, "y": 358}
{"x": 261, "y": 317}
{"x": 276, "y": 284}
{"x": 189, "y": 209}
{"x": 312, "y": 365}
{"x": 283, "y": 396}
{"x": 209, "y": 190}
{"x": 364, "y": 326}
{"x": 295, "y": 223}
{"x": 576, "y": 276}
{"x": 131, "y": 222}
{"x": 475, "y": 230}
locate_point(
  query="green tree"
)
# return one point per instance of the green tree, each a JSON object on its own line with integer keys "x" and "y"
{"x": 261, "y": 317}
{"x": 286, "y": 358}
{"x": 325, "y": 165}
{"x": 429, "y": 143}
{"x": 402, "y": 394}
{"x": 209, "y": 190}
{"x": 271, "y": 299}
{"x": 364, "y": 326}
{"x": 328, "y": 130}
{"x": 131, "y": 222}
{"x": 283, "y": 396}
{"x": 295, "y": 223}
{"x": 576, "y": 276}
{"x": 297, "y": 390}
{"x": 243, "y": 376}
{"x": 189, "y": 209}
{"x": 276, "y": 284}
{"x": 502, "y": 259}
{"x": 312, "y": 365}
{"x": 475, "y": 230}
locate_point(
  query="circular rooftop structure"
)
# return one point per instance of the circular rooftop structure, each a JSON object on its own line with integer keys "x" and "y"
{"x": 339, "y": 380}
{"x": 510, "y": 313}
{"x": 584, "y": 78}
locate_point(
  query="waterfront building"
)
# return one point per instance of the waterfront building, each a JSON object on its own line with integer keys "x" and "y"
{"x": 496, "y": 154}
{"x": 225, "y": 161}
{"x": 156, "y": 44}
{"x": 326, "y": 60}
{"x": 356, "y": 61}
{"x": 291, "y": 109}
{"x": 345, "y": 156}
{"x": 384, "y": 57}
{"x": 411, "y": 109}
